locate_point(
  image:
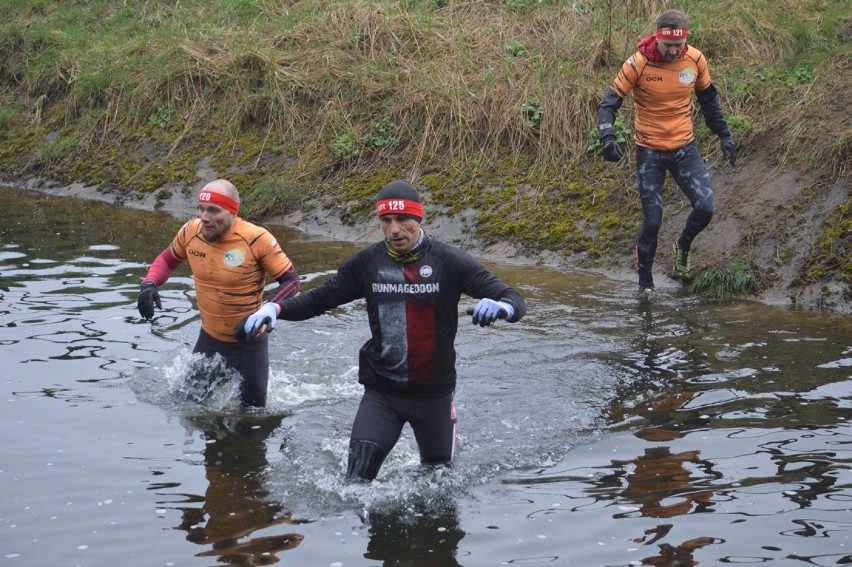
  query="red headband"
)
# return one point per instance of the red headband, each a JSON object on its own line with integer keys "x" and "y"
{"x": 399, "y": 207}
{"x": 219, "y": 200}
{"x": 671, "y": 33}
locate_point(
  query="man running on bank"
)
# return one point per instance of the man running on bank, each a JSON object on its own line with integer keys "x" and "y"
{"x": 662, "y": 76}
{"x": 412, "y": 285}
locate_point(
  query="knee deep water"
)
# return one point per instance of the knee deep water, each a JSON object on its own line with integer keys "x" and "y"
{"x": 600, "y": 430}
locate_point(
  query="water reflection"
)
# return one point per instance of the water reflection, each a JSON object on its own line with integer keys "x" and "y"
{"x": 236, "y": 504}
{"x": 422, "y": 533}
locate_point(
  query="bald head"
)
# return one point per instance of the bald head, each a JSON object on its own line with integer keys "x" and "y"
{"x": 223, "y": 187}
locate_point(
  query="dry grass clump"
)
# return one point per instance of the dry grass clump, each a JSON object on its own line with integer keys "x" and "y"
{"x": 418, "y": 80}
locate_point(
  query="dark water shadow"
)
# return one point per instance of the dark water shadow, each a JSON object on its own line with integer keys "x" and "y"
{"x": 421, "y": 533}
{"x": 227, "y": 520}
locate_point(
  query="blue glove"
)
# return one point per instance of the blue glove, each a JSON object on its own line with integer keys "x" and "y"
{"x": 487, "y": 311}
{"x": 729, "y": 150}
{"x": 254, "y": 324}
{"x": 148, "y": 297}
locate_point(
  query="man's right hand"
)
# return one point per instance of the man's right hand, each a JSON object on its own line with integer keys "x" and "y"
{"x": 611, "y": 150}
{"x": 148, "y": 297}
{"x": 264, "y": 319}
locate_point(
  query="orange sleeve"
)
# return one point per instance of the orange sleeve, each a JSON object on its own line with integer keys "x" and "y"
{"x": 702, "y": 81}
{"x": 184, "y": 235}
{"x": 629, "y": 75}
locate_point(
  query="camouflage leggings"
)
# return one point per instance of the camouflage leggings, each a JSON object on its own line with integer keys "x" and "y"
{"x": 688, "y": 171}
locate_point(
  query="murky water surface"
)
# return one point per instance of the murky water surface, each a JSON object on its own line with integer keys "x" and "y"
{"x": 598, "y": 431}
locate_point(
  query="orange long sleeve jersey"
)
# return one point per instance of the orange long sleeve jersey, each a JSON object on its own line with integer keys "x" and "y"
{"x": 662, "y": 97}
{"x": 230, "y": 274}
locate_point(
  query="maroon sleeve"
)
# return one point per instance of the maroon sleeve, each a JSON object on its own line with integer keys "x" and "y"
{"x": 288, "y": 286}
{"x": 162, "y": 268}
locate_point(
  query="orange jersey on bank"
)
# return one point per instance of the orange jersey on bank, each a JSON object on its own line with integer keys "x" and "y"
{"x": 662, "y": 97}
{"x": 230, "y": 274}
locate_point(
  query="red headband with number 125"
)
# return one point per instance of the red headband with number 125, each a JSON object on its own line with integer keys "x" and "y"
{"x": 399, "y": 207}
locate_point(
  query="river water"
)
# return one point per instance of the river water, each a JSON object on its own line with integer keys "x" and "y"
{"x": 600, "y": 430}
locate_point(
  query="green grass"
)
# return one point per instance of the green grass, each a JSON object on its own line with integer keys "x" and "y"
{"x": 733, "y": 280}
{"x": 465, "y": 77}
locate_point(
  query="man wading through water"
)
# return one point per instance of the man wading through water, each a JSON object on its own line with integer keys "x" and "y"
{"x": 230, "y": 260}
{"x": 412, "y": 284}
{"x": 662, "y": 76}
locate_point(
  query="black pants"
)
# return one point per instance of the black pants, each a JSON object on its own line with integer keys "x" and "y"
{"x": 381, "y": 416}
{"x": 690, "y": 174}
{"x": 249, "y": 358}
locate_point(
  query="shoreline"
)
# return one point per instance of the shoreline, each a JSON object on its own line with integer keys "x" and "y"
{"x": 322, "y": 224}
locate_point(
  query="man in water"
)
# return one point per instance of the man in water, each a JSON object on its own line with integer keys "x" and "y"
{"x": 662, "y": 76}
{"x": 412, "y": 285}
{"x": 230, "y": 259}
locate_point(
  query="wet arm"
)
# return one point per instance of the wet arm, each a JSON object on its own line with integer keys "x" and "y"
{"x": 483, "y": 283}
{"x": 509, "y": 295}
{"x": 342, "y": 288}
{"x": 288, "y": 286}
{"x": 162, "y": 268}
{"x": 711, "y": 108}
{"x": 610, "y": 104}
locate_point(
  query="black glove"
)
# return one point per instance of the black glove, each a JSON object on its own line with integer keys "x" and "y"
{"x": 729, "y": 150}
{"x": 611, "y": 150}
{"x": 148, "y": 297}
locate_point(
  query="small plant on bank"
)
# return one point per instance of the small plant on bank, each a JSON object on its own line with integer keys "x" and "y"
{"x": 734, "y": 280}
{"x": 533, "y": 112}
{"x": 516, "y": 49}
{"x": 51, "y": 153}
{"x": 159, "y": 118}
{"x": 622, "y": 133}
{"x": 274, "y": 196}
{"x": 383, "y": 134}
{"x": 346, "y": 144}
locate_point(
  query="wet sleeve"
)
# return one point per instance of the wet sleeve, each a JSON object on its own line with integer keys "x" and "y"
{"x": 162, "y": 268}
{"x": 711, "y": 109}
{"x": 606, "y": 112}
{"x": 479, "y": 283}
{"x": 288, "y": 285}
{"x": 342, "y": 288}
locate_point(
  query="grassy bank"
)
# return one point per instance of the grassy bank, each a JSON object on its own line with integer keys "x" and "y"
{"x": 490, "y": 105}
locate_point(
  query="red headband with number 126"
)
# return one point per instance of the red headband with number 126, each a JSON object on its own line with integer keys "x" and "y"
{"x": 219, "y": 200}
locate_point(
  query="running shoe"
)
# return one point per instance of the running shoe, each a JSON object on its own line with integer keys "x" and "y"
{"x": 681, "y": 261}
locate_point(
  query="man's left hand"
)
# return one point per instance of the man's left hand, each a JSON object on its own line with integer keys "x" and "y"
{"x": 253, "y": 325}
{"x": 729, "y": 150}
{"x": 487, "y": 311}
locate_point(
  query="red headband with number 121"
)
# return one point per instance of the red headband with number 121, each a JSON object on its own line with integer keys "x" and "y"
{"x": 671, "y": 33}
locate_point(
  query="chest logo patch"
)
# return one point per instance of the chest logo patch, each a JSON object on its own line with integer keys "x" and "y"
{"x": 687, "y": 77}
{"x": 425, "y": 271}
{"x": 234, "y": 258}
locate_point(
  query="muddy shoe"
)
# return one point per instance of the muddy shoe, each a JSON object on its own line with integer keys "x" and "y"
{"x": 681, "y": 262}
{"x": 646, "y": 282}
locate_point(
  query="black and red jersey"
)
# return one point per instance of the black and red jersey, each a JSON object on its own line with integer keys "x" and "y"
{"x": 413, "y": 312}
